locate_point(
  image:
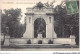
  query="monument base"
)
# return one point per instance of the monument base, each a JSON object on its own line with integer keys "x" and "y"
{"x": 26, "y": 41}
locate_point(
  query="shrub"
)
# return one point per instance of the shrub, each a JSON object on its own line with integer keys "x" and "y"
{"x": 40, "y": 42}
{"x": 50, "y": 42}
{"x": 29, "y": 42}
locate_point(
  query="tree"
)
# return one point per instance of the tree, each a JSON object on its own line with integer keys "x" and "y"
{"x": 65, "y": 25}
{"x": 11, "y": 18}
{"x": 70, "y": 23}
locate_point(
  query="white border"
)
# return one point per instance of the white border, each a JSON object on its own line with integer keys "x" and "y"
{"x": 39, "y": 52}
{"x": 79, "y": 25}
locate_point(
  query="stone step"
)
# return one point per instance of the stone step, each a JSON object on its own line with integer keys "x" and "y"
{"x": 43, "y": 46}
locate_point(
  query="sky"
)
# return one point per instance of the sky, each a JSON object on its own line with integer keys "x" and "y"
{"x": 7, "y": 4}
{"x": 23, "y": 4}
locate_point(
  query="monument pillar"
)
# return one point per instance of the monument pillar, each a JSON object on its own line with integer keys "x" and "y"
{"x": 29, "y": 27}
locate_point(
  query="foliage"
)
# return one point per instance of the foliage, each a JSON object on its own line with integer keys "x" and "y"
{"x": 65, "y": 25}
{"x": 70, "y": 21}
{"x": 40, "y": 42}
{"x": 50, "y": 42}
{"x": 11, "y": 19}
{"x": 29, "y": 42}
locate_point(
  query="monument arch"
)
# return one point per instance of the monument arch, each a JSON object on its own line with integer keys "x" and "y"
{"x": 39, "y": 28}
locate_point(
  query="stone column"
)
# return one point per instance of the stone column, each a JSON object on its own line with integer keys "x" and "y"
{"x": 54, "y": 34}
{"x": 49, "y": 31}
{"x": 29, "y": 28}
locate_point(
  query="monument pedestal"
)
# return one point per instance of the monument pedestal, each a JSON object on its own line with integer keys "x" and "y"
{"x": 72, "y": 40}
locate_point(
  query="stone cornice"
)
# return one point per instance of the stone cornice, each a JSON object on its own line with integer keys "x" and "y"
{"x": 29, "y": 13}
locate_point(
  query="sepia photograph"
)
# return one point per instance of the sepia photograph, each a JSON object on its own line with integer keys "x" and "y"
{"x": 39, "y": 25}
